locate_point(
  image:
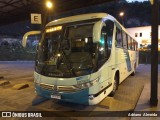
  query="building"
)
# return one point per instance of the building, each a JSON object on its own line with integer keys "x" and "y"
{"x": 143, "y": 36}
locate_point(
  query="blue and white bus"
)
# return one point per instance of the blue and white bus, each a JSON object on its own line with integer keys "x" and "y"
{"x": 83, "y": 58}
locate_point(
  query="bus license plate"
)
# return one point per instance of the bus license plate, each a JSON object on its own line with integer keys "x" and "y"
{"x": 56, "y": 96}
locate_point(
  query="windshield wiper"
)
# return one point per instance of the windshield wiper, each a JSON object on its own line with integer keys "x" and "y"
{"x": 68, "y": 63}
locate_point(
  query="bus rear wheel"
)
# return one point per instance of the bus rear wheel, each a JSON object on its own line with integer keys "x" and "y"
{"x": 115, "y": 87}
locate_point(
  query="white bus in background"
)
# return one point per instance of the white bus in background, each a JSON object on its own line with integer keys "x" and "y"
{"x": 82, "y": 59}
{"x": 143, "y": 36}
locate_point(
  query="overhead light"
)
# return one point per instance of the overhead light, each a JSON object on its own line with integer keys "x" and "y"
{"x": 49, "y": 4}
{"x": 121, "y": 14}
{"x": 151, "y": 2}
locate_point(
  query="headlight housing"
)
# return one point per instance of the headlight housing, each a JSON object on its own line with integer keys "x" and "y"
{"x": 87, "y": 84}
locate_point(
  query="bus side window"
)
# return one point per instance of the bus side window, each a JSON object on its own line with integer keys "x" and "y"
{"x": 105, "y": 42}
{"x": 136, "y": 46}
{"x": 129, "y": 43}
{"x": 103, "y": 45}
{"x": 102, "y": 50}
{"x": 119, "y": 38}
{"x": 109, "y": 30}
{"x": 133, "y": 45}
{"x": 124, "y": 40}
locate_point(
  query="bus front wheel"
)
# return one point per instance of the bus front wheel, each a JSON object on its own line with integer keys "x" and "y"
{"x": 115, "y": 87}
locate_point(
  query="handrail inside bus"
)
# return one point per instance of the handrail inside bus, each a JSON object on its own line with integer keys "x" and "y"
{"x": 24, "y": 40}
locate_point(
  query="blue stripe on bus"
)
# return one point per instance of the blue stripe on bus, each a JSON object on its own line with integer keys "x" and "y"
{"x": 80, "y": 97}
{"x": 128, "y": 60}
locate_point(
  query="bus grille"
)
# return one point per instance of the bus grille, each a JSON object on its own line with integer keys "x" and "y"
{"x": 46, "y": 86}
{"x": 67, "y": 89}
{"x": 59, "y": 88}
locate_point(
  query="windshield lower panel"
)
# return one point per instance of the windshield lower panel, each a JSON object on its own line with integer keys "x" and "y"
{"x": 66, "y": 52}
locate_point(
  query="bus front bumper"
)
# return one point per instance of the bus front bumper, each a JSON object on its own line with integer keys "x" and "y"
{"x": 80, "y": 97}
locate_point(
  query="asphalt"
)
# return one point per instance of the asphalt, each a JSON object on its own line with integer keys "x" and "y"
{"x": 133, "y": 95}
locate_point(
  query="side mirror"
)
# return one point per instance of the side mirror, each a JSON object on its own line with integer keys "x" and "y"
{"x": 24, "y": 40}
{"x": 97, "y": 31}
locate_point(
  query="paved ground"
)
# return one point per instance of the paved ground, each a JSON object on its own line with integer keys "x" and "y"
{"x": 143, "y": 72}
{"x": 125, "y": 99}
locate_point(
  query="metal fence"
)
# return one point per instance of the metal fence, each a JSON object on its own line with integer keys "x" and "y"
{"x": 14, "y": 53}
{"x": 145, "y": 57}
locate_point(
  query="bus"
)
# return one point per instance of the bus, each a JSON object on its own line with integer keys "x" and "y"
{"x": 83, "y": 58}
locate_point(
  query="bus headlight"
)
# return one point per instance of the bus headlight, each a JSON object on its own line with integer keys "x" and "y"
{"x": 87, "y": 84}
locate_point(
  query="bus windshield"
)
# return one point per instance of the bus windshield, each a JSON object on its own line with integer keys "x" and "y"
{"x": 66, "y": 51}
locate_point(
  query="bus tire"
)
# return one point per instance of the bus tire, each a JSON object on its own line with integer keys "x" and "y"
{"x": 115, "y": 87}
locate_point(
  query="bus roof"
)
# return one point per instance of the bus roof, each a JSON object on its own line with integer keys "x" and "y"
{"x": 88, "y": 16}
{"x": 79, "y": 18}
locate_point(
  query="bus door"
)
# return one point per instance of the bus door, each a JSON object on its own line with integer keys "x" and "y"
{"x": 105, "y": 47}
